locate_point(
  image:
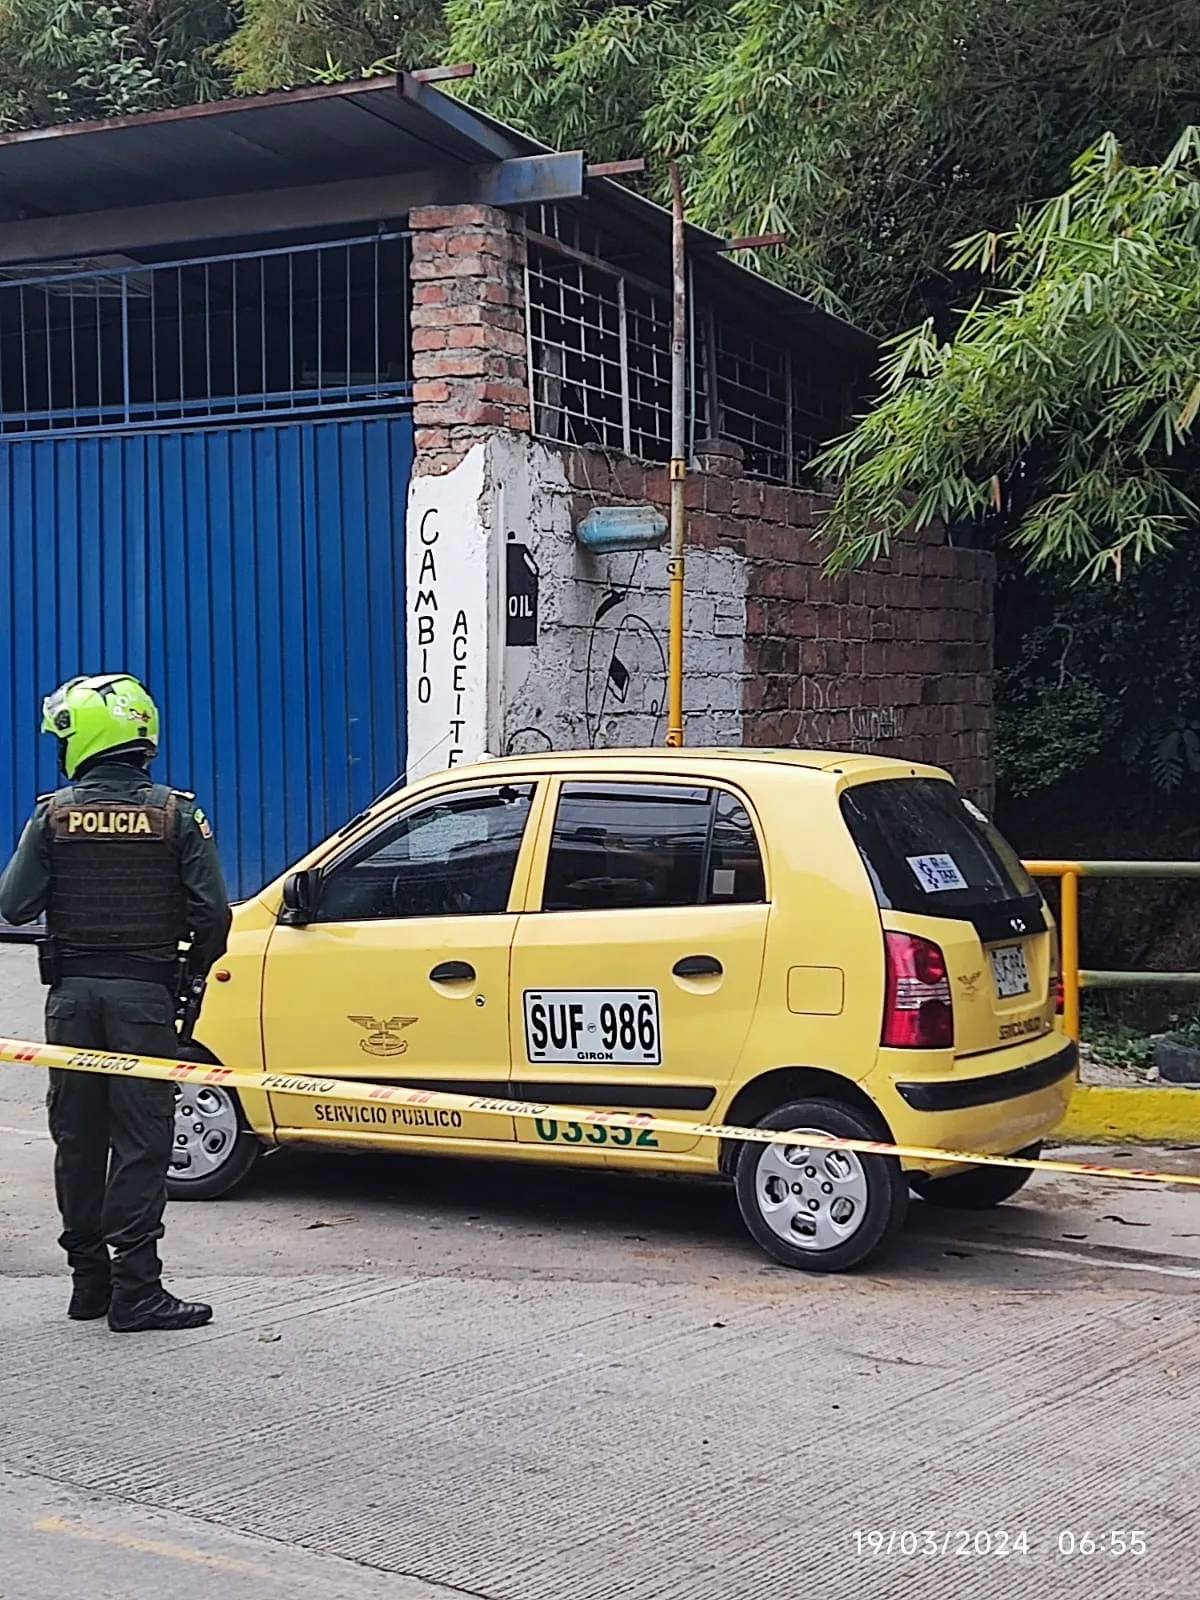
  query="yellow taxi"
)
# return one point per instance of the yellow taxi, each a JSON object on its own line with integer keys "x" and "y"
{"x": 805, "y": 941}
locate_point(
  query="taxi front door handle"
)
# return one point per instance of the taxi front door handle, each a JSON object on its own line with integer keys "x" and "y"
{"x": 698, "y": 967}
{"x": 453, "y": 972}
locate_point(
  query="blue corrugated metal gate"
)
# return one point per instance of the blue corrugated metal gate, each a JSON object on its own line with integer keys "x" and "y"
{"x": 254, "y": 577}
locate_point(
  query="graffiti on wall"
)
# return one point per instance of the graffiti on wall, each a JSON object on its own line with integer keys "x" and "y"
{"x": 618, "y": 658}
{"x": 626, "y": 669}
{"x": 874, "y": 725}
{"x": 826, "y": 724}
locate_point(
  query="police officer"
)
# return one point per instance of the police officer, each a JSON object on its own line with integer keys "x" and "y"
{"x": 126, "y": 871}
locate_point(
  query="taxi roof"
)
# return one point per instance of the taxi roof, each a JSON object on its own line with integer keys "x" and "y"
{"x": 841, "y": 763}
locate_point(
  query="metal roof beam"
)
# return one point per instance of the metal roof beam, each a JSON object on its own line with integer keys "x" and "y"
{"x": 522, "y": 180}
{"x": 452, "y": 115}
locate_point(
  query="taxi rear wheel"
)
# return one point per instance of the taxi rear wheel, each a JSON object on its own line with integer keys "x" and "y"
{"x": 981, "y": 1188}
{"x": 213, "y": 1150}
{"x": 816, "y": 1209}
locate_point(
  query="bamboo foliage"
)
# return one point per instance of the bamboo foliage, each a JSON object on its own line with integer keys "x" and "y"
{"x": 1080, "y": 365}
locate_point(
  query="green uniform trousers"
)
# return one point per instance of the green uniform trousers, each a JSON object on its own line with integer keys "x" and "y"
{"x": 112, "y": 1136}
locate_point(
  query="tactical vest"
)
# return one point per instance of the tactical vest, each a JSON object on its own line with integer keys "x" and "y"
{"x": 114, "y": 872}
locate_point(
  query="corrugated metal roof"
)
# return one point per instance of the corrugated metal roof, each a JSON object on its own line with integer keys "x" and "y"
{"x": 326, "y": 133}
{"x": 311, "y": 135}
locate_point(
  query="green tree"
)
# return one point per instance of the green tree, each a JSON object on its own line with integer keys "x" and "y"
{"x": 1065, "y": 405}
{"x": 1100, "y": 682}
{"x": 282, "y": 43}
{"x": 875, "y": 136}
{"x": 62, "y": 60}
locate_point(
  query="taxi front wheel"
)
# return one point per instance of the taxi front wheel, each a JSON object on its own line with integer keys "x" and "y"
{"x": 819, "y": 1210}
{"x": 213, "y": 1149}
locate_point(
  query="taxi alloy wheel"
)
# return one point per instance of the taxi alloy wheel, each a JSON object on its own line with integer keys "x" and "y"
{"x": 820, "y": 1210}
{"x": 212, "y": 1149}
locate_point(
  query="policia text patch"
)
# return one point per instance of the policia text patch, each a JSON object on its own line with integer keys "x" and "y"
{"x": 109, "y": 822}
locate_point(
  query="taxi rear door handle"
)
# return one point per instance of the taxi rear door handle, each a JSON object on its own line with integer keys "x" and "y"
{"x": 453, "y": 972}
{"x": 698, "y": 967}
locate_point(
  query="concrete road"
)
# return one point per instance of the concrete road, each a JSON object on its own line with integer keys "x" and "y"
{"x": 431, "y": 1380}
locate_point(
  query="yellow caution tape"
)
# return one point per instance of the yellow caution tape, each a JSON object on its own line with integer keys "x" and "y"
{"x": 358, "y": 1093}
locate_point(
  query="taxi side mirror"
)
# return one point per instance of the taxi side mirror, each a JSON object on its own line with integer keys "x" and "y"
{"x": 299, "y": 899}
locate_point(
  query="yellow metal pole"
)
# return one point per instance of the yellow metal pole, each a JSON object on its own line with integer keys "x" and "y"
{"x": 1069, "y": 907}
{"x": 675, "y": 566}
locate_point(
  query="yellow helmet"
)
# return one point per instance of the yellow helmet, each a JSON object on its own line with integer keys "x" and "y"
{"x": 104, "y": 715}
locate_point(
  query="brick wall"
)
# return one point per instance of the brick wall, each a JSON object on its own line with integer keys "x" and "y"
{"x": 468, "y": 330}
{"x": 896, "y": 659}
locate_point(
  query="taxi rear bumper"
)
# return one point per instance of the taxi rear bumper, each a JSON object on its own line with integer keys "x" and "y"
{"x": 960, "y": 1094}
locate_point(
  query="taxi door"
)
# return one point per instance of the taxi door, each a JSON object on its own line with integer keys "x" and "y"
{"x": 400, "y": 973}
{"x": 635, "y": 983}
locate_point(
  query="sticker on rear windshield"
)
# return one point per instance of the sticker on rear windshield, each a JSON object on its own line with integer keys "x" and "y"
{"x": 937, "y": 873}
{"x": 973, "y": 810}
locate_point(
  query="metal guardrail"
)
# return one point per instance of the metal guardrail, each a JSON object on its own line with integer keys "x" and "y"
{"x": 1075, "y": 979}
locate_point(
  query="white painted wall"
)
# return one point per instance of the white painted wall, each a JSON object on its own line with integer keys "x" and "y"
{"x": 448, "y": 618}
{"x": 597, "y": 676}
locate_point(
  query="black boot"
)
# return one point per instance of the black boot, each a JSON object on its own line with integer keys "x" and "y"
{"x": 90, "y": 1297}
{"x": 157, "y": 1312}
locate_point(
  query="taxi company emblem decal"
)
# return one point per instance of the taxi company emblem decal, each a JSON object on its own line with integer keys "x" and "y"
{"x": 970, "y": 983}
{"x": 383, "y": 1035}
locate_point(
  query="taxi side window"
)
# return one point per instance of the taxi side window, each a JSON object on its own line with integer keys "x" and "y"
{"x": 735, "y": 869}
{"x": 452, "y": 857}
{"x": 622, "y": 846}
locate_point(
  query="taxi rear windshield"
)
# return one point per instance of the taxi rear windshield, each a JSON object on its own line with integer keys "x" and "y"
{"x": 930, "y": 854}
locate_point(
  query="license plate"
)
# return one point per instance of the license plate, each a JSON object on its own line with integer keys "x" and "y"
{"x": 616, "y": 1026}
{"x": 1010, "y": 971}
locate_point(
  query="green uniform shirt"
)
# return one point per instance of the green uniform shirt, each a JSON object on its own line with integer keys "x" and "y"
{"x": 25, "y": 886}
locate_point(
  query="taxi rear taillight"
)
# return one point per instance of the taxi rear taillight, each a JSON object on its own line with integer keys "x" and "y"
{"x": 1056, "y": 975}
{"x": 918, "y": 1010}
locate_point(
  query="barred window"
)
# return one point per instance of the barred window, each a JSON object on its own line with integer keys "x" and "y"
{"x": 116, "y": 343}
{"x": 601, "y": 358}
{"x": 600, "y": 363}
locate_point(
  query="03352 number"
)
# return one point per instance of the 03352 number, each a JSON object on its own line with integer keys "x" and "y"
{"x": 553, "y": 1132}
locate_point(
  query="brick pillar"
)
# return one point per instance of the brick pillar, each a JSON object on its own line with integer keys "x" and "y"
{"x": 468, "y": 322}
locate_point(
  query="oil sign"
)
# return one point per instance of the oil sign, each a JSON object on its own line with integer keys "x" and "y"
{"x": 521, "y": 612}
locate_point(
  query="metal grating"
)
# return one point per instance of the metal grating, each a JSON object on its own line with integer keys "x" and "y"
{"x": 118, "y": 344}
{"x": 600, "y": 360}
